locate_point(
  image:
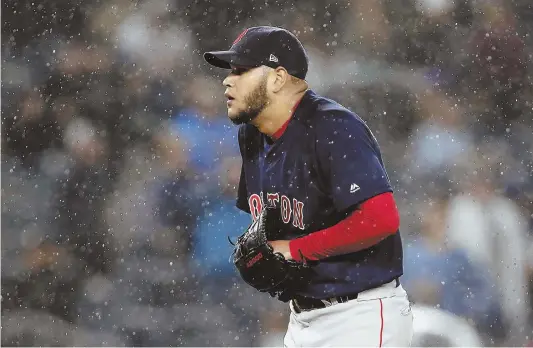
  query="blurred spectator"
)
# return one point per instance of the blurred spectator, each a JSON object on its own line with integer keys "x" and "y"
{"x": 439, "y": 140}
{"x": 28, "y": 129}
{"x": 211, "y": 248}
{"x": 439, "y": 274}
{"x": 494, "y": 76}
{"x": 152, "y": 37}
{"x": 155, "y": 204}
{"x": 368, "y": 28}
{"x": 205, "y": 129}
{"x": 182, "y": 196}
{"x": 79, "y": 203}
{"x": 492, "y": 231}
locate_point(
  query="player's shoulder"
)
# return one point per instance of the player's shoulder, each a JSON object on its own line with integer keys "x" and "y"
{"x": 325, "y": 114}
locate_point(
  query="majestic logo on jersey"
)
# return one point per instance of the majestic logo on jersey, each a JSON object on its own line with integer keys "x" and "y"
{"x": 354, "y": 188}
{"x": 290, "y": 210}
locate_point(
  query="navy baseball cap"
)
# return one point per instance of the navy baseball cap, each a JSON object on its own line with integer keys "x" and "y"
{"x": 270, "y": 46}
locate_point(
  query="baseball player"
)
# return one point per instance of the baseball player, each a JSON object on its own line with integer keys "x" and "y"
{"x": 325, "y": 230}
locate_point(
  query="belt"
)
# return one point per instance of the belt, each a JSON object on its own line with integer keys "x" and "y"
{"x": 302, "y": 304}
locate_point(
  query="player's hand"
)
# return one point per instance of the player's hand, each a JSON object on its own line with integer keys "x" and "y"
{"x": 282, "y": 247}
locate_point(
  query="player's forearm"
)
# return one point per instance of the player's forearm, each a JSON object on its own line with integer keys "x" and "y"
{"x": 376, "y": 219}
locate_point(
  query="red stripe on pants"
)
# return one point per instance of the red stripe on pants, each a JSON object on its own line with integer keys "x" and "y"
{"x": 381, "y": 315}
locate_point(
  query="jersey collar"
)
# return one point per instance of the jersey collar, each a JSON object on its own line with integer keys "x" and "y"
{"x": 282, "y": 129}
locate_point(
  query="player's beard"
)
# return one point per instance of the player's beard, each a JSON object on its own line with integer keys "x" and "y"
{"x": 256, "y": 101}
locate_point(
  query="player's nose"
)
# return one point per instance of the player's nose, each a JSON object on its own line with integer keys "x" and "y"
{"x": 229, "y": 81}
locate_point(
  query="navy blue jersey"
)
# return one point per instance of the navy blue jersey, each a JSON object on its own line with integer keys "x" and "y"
{"x": 326, "y": 163}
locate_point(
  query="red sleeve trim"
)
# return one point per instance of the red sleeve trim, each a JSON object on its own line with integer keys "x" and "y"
{"x": 375, "y": 219}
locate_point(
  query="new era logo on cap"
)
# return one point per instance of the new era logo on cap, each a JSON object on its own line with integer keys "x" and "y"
{"x": 273, "y": 58}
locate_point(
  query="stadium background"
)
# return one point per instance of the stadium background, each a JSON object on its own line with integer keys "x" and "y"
{"x": 119, "y": 166}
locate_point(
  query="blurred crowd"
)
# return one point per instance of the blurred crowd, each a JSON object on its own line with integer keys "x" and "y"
{"x": 119, "y": 166}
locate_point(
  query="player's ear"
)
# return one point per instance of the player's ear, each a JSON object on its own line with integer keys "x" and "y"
{"x": 280, "y": 78}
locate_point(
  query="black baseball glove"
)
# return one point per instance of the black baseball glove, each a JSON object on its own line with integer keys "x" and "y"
{"x": 263, "y": 269}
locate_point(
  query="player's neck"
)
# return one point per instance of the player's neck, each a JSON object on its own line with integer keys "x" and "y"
{"x": 276, "y": 114}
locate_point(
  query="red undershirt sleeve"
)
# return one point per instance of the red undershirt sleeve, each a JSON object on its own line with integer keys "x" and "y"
{"x": 374, "y": 220}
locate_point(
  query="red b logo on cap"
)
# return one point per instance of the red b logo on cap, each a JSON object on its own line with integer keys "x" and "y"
{"x": 239, "y": 37}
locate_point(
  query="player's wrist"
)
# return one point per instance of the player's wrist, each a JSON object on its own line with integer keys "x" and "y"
{"x": 281, "y": 247}
{"x": 295, "y": 250}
